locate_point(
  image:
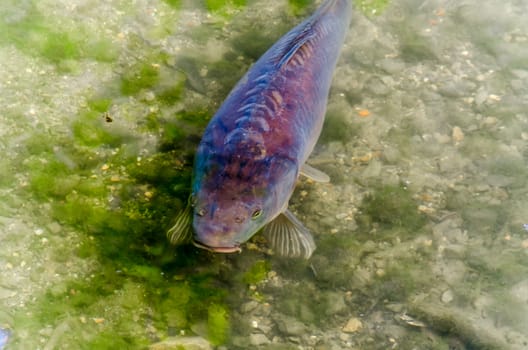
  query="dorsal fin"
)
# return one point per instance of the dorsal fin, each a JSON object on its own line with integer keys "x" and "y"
{"x": 302, "y": 35}
{"x": 295, "y": 44}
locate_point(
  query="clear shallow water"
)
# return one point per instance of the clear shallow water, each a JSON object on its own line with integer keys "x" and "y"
{"x": 420, "y": 233}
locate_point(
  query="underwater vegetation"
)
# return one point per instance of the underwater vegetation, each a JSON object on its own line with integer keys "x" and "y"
{"x": 371, "y": 7}
{"x": 36, "y": 35}
{"x": 392, "y": 206}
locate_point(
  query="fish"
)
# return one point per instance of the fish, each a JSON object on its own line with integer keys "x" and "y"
{"x": 257, "y": 143}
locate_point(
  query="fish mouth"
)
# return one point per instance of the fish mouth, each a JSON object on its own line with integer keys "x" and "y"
{"x": 233, "y": 249}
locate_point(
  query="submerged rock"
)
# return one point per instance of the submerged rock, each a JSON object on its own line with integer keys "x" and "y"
{"x": 257, "y": 339}
{"x": 179, "y": 343}
{"x": 353, "y": 325}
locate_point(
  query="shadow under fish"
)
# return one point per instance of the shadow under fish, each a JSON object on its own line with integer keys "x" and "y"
{"x": 257, "y": 143}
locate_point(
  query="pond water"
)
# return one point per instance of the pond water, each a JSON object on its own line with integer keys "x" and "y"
{"x": 421, "y": 233}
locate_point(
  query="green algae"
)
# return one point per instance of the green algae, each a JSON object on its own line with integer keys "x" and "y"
{"x": 100, "y": 105}
{"x": 90, "y": 129}
{"x": 130, "y": 244}
{"x": 336, "y": 128}
{"x": 139, "y": 76}
{"x": 217, "y": 324}
{"x": 372, "y": 7}
{"x": 392, "y": 206}
{"x": 60, "y": 44}
{"x": 153, "y": 75}
{"x": 399, "y": 281}
{"x": 300, "y": 7}
{"x": 224, "y": 7}
{"x": 257, "y": 273}
{"x": 174, "y": 3}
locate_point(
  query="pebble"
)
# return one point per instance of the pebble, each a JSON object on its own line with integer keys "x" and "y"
{"x": 187, "y": 343}
{"x": 54, "y": 227}
{"x": 457, "y": 134}
{"x": 249, "y": 306}
{"x": 257, "y": 339}
{"x": 441, "y": 138}
{"x": 335, "y": 303}
{"x": 447, "y": 296}
{"x": 291, "y": 326}
{"x": 390, "y": 65}
{"x": 353, "y": 325}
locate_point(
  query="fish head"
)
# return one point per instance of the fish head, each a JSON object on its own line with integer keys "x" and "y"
{"x": 228, "y": 216}
{"x": 234, "y": 197}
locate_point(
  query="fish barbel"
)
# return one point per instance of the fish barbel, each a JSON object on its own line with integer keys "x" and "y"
{"x": 257, "y": 143}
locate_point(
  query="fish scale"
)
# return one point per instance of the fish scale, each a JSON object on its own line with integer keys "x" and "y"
{"x": 258, "y": 141}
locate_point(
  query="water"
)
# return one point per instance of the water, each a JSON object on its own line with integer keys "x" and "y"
{"x": 421, "y": 233}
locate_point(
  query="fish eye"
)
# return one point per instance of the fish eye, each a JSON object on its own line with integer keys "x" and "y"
{"x": 201, "y": 212}
{"x": 256, "y": 214}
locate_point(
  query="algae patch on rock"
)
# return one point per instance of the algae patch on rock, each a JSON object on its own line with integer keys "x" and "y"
{"x": 393, "y": 206}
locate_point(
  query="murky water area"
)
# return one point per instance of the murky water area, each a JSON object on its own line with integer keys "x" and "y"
{"x": 420, "y": 233}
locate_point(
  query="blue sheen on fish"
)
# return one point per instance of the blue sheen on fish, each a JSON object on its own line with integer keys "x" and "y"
{"x": 257, "y": 143}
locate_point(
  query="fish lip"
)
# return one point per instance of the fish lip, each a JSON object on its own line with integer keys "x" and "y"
{"x": 233, "y": 249}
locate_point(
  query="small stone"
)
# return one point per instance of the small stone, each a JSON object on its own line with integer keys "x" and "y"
{"x": 457, "y": 134}
{"x": 353, "y": 325}
{"x": 490, "y": 121}
{"x": 54, "y": 227}
{"x": 495, "y": 98}
{"x": 335, "y": 303}
{"x": 441, "y": 138}
{"x": 291, "y": 326}
{"x": 249, "y": 306}
{"x": 98, "y": 320}
{"x": 187, "y": 343}
{"x": 447, "y": 296}
{"x": 257, "y": 339}
{"x": 426, "y": 210}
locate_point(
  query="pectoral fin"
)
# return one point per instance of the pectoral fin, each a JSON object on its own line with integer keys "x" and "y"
{"x": 314, "y": 174}
{"x": 181, "y": 232}
{"x": 288, "y": 237}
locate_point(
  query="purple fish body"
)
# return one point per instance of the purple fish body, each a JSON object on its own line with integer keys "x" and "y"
{"x": 257, "y": 143}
